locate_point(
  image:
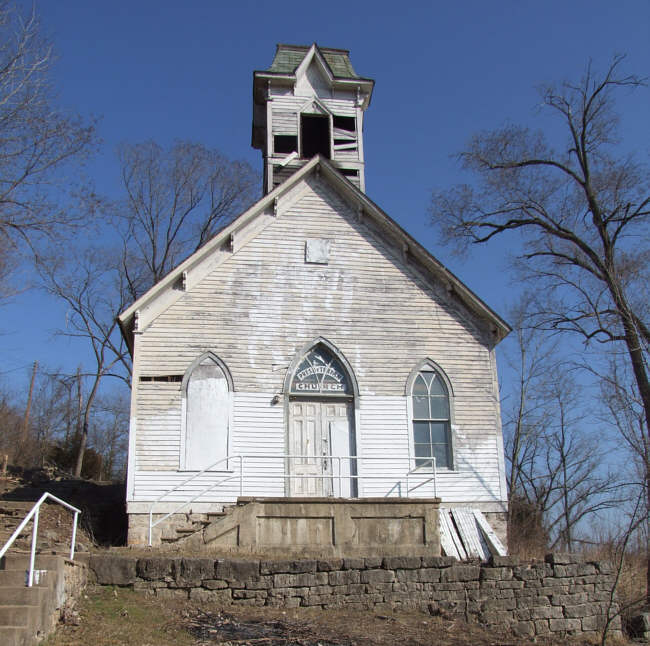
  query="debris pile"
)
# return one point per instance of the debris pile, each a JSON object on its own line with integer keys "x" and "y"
{"x": 228, "y": 630}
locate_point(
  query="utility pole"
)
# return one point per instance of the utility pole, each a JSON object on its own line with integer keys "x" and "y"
{"x": 23, "y": 439}
{"x": 79, "y": 405}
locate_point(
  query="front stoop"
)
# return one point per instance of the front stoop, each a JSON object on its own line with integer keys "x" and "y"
{"x": 27, "y": 615}
{"x": 317, "y": 527}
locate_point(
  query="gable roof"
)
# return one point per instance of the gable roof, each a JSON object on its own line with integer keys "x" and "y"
{"x": 335, "y": 63}
{"x": 288, "y": 57}
{"x": 247, "y": 225}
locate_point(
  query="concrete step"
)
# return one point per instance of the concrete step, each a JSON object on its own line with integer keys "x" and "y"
{"x": 21, "y": 562}
{"x": 13, "y": 578}
{"x": 14, "y": 636}
{"x": 193, "y": 527}
{"x": 22, "y": 596}
{"x": 19, "y": 615}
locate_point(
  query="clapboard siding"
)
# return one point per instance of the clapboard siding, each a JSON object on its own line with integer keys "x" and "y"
{"x": 372, "y": 310}
{"x": 383, "y": 433}
{"x": 342, "y": 107}
{"x": 347, "y": 155}
{"x": 150, "y": 485}
{"x": 285, "y": 122}
{"x": 258, "y": 434}
{"x": 158, "y": 436}
{"x": 263, "y": 303}
{"x": 259, "y": 431}
{"x": 385, "y": 430}
{"x": 282, "y": 173}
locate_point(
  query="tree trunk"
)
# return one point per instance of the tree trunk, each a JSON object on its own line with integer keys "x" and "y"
{"x": 647, "y": 535}
{"x": 633, "y": 345}
{"x": 25, "y": 430}
{"x": 83, "y": 440}
{"x": 84, "y": 434}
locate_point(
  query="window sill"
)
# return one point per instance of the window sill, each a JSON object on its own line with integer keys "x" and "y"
{"x": 224, "y": 471}
{"x": 430, "y": 472}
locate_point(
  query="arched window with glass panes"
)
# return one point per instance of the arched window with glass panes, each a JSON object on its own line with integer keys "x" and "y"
{"x": 431, "y": 412}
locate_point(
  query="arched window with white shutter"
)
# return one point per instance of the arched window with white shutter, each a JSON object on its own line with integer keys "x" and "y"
{"x": 207, "y": 389}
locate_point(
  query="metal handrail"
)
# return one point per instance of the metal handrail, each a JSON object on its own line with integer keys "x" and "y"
{"x": 34, "y": 513}
{"x": 182, "y": 484}
{"x": 333, "y": 476}
{"x": 431, "y": 463}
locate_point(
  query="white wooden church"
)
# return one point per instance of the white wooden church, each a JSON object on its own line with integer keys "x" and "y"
{"x": 311, "y": 349}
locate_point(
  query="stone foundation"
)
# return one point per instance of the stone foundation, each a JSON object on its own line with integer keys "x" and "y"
{"x": 562, "y": 594}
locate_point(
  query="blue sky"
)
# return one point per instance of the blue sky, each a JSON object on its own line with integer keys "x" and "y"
{"x": 168, "y": 70}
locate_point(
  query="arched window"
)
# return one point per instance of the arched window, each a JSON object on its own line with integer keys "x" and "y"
{"x": 431, "y": 419}
{"x": 320, "y": 373}
{"x": 207, "y": 387}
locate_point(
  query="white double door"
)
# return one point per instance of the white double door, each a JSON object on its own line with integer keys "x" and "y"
{"x": 318, "y": 429}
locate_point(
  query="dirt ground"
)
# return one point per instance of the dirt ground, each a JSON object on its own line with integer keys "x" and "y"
{"x": 116, "y": 617}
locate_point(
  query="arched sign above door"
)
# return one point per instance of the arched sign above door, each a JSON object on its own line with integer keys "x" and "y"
{"x": 320, "y": 373}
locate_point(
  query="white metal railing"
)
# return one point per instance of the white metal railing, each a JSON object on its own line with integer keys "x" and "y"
{"x": 336, "y": 477}
{"x": 34, "y": 514}
{"x": 237, "y": 458}
{"x": 429, "y": 464}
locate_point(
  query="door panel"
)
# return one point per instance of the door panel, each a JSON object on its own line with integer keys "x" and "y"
{"x": 305, "y": 440}
{"x": 317, "y": 429}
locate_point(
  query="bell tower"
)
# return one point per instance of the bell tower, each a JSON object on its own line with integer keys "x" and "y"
{"x": 309, "y": 102}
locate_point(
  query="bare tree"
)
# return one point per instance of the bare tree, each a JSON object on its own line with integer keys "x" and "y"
{"x": 555, "y": 468}
{"x": 37, "y": 141}
{"x": 626, "y": 413}
{"x": 175, "y": 200}
{"x": 576, "y": 484}
{"x": 525, "y": 409}
{"x": 581, "y": 213}
{"x": 110, "y": 433}
{"x": 94, "y": 290}
{"x": 10, "y": 423}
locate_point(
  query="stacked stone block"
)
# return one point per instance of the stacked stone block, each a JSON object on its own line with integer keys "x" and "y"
{"x": 562, "y": 594}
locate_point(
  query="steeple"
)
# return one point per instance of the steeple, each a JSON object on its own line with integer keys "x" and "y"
{"x": 310, "y": 101}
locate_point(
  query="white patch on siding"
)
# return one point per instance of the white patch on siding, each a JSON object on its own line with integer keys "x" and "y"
{"x": 317, "y": 250}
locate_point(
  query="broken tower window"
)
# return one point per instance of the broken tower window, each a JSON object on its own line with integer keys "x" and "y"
{"x": 315, "y": 135}
{"x": 285, "y": 144}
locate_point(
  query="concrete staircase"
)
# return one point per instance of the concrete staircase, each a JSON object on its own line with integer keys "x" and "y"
{"x": 27, "y": 614}
{"x": 182, "y": 534}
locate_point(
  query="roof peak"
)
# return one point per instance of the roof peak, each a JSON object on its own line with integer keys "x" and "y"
{"x": 289, "y": 57}
{"x": 306, "y": 48}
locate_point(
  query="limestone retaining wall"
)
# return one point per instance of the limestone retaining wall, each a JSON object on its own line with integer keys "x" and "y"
{"x": 562, "y": 594}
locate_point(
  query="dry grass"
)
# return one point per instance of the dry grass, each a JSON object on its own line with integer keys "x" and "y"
{"x": 632, "y": 581}
{"x": 112, "y": 617}
{"x": 115, "y": 617}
